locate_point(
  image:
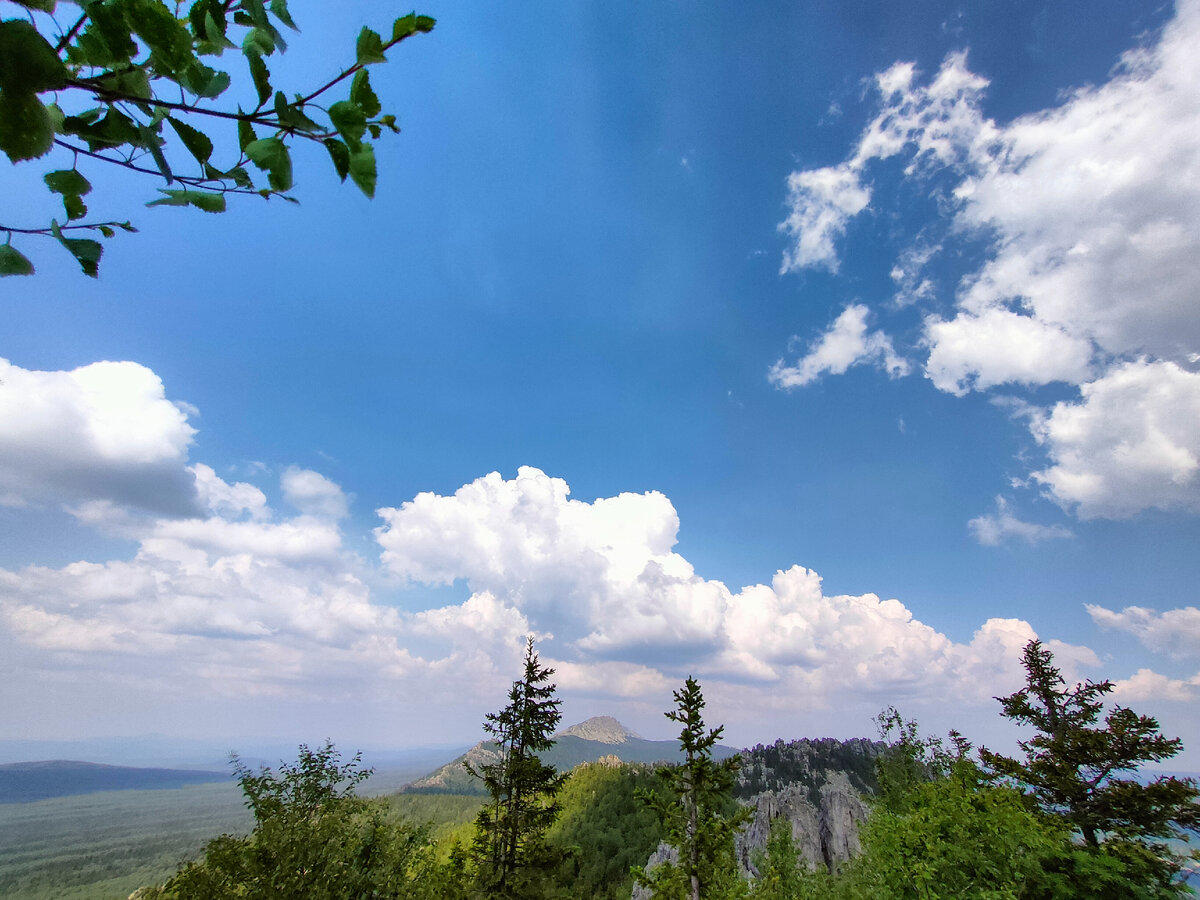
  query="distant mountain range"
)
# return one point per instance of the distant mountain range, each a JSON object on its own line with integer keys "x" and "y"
{"x": 588, "y": 741}
{"x": 30, "y": 781}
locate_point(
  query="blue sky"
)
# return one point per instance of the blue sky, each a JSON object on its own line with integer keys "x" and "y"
{"x": 828, "y": 352}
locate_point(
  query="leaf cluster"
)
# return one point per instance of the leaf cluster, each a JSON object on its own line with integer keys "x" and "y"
{"x": 131, "y": 83}
{"x": 313, "y": 839}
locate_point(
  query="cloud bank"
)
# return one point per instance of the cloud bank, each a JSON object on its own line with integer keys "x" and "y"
{"x": 240, "y": 601}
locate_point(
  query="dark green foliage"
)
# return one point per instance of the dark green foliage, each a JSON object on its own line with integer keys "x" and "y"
{"x": 120, "y": 69}
{"x": 510, "y": 853}
{"x": 940, "y": 829}
{"x": 313, "y": 839}
{"x": 696, "y": 812}
{"x": 604, "y": 829}
{"x": 808, "y": 762}
{"x": 1073, "y": 768}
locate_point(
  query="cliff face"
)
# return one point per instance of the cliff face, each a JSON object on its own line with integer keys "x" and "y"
{"x": 818, "y": 786}
{"x": 825, "y": 833}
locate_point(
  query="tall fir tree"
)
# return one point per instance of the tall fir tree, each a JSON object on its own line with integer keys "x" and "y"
{"x": 1084, "y": 773}
{"x": 509, "y": 851}
{"x": 699, "y": 815}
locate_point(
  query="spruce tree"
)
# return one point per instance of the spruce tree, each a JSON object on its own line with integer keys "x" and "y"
{"x": 509, "y": 850}
{"x": 699, "y": 815}
{"x": 1083, "y": 773}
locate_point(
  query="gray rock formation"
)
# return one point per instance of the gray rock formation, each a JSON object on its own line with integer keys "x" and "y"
{"x": 825, "y": 834}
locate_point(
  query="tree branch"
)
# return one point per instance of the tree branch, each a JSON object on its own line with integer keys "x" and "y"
{"x": 66, "y": 38}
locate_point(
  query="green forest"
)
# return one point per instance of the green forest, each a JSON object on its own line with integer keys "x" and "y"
{"x": 1065, "y": 818}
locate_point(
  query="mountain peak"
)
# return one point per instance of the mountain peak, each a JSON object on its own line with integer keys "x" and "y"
{"x": 603, "y": 729}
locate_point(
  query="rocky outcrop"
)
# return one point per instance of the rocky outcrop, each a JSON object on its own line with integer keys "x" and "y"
{"x": 819, "y": 787}
{"x": 825, "y": 833}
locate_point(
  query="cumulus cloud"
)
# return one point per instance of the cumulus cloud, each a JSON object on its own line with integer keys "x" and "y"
{"x": 1175, "y": 632}
{"x": 999, "y": 346}
{"x": 605, "y": 574}
{"x": 314, "y": 494}
{"x": 101, "y": 432}
{"x": 844, "y": 344}
{"x": 246, "y": 602}
{"x": 1090, "y": 216}
{"x": 1132, "y": 442}
{"x": 1146, "y": 684}
{"x": 1002, "y": 526}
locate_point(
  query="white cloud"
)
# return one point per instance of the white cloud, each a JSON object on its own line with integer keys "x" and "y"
{"x": 223, "y": 498}
{"x": 1131, "y": 443}
{"x": 603, "y": 577}
{"x": 1175, "y": 632}
{"x": 1149, "y": 685}
{"x": 937, "y": 124}
{"x": 104, "y": 431}
{"x": 1001, "y": 526}
{"x": 821, "y": 202}
{"x": 998, "y": 346}
{"x": 314, "y": 494}
{"x": 276, "y": 608}
{"x": 1090, "y": 213}
{"x": 844, "y": 344}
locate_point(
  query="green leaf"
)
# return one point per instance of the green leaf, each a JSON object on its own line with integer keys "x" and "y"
{"x": 86, "y": 252}
{"x": 106, "y": 230}
{"x": 258, "y": 14}
{"x": 28, "y": 64}
{"x": 389, "y": 121}
{"x": 67, "y": 181}
{"x": 43, "y": 5}
{"x": 362, "y": 169}
{"x": 150, "y": 140}
{"x": 113, "y": 130}
{"x": 240, "y": 177}
{"x": 271, "y": 155}
{"x": 369, "y": 48}
{"x": 261, "y": 75}
{"x": 340, "y": 155}
{"x": 204, "y": 200}
{"x": 197, "y": 142}
{"x": 72, "y": 185}
{"x": 74, "y": 206}
{"x": 292, "y": 116}
{"x": 204, "y": 81}
{"x": 403, "y": 27}
{"x": 246, "y": 133}
{"x": 169, "y": 42}
{"x": 410, "y": 24}
{"x": 107, "y": 41}
{"x": 349, "y": 121}
{"x": 362, "y": 96}
{"x": 258, "y": 40}
{"x": 13, "y": 262}
{"x": 279, "y": 9}
{"x": 26, "y": 130}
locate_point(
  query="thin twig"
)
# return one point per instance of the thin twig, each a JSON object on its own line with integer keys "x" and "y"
{"x": 66, "y": 38}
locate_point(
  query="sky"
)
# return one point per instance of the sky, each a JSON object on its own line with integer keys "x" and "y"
{"x": 828, "y": 352}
